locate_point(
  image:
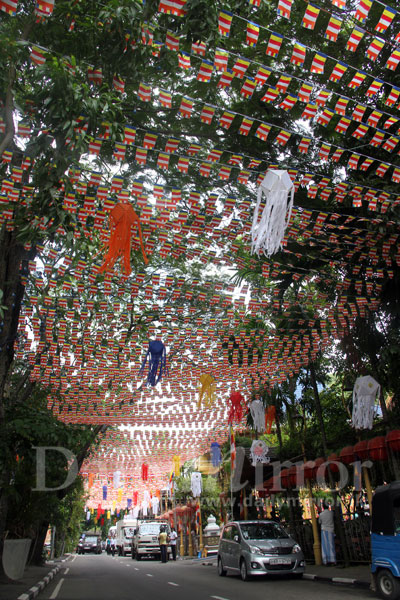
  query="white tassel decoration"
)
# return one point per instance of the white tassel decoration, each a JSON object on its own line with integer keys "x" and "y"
{"x": 269, "y": 228}
{"x": 258, "y": 413}
{"x": 365, "y": 392}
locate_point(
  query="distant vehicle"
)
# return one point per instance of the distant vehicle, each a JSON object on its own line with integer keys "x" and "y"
{"x": 90, "y": 543}
{"x": 258, "y": 548}
{"x": 145, "y": 541}
{"x": 385, "y": 540}
{"x": 124, "y": 534}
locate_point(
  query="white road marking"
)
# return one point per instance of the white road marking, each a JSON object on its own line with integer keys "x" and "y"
{"x": 136, "y": 569}
{"x": 56, "y": 589}
{"x": 74, "y": 558}
{"x": 149, "y": 575}
{"x": 66, "y": 571}
{"x": 172, "y": 583}
{"x": 219, "y": 598}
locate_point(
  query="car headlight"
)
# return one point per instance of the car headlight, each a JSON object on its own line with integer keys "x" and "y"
{"x": 255, "y": 550}
{"x": 296, "y": 548}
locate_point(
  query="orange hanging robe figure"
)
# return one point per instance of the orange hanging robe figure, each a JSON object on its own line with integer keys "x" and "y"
{"x": 122, "y": 219}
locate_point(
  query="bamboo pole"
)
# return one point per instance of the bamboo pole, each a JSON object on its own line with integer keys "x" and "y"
{"x": 316, "y": 543}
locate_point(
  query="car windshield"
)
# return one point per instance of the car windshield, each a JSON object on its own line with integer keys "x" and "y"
{"x": 128, "y": 532}
{"x": 263, "y": 531}
{"x": 150, "y": 528}
{"x": 90, "y": 539}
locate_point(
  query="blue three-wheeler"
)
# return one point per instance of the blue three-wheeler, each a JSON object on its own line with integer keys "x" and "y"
{"x": 385, "y": 540}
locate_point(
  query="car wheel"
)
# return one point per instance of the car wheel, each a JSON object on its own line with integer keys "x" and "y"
{"x": 221, "y": 570}
{"x": 138, "y": 557}
{"x": 388, "y": 587}
{"x": 243, "y": 570}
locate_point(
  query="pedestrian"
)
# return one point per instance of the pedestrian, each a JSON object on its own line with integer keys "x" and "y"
{"x": 108, "y": 546}
{"x": 326, "y": 519}
{"x": 113, "y": 546}
{"x": 163, "y": 541}
{"x": 173, "y": 536}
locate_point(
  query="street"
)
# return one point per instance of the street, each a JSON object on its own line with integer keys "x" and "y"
{"x": 94, "y": 577}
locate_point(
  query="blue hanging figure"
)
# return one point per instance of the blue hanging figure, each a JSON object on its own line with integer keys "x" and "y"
{"x": 157, "y": 362}
{"x": 215, "y": 454}
{"x": 104, "y": 492}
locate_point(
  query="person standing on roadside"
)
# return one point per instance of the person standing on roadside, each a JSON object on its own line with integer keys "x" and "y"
{"x": 326, "y": 519}
{"x": 113, "y": 546}
{"x": 163, "y": 541}
{"x": 173, "y": 536}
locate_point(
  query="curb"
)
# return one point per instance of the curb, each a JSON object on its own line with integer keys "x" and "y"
{"x": 341, "y": 580}
{"x": 34, "y": 590}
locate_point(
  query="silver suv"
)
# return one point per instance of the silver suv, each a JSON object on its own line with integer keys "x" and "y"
{"x": 258, "y": 548}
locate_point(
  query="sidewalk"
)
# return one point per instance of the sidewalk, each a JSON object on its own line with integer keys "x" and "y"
{"x": 359, "y": 575}
{"x": 34, "y": 580}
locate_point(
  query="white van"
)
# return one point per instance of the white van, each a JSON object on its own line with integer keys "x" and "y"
{"x": 145, "y": 541}
{"x": 124, "y": 534}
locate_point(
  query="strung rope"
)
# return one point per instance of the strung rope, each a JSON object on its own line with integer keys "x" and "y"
{"x": 157, "y": 358}
{"x": 122, "y": 219}
{"x": 268, "y": 229}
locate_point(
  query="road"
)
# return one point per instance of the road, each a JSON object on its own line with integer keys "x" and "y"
{"x": 95, "y": 577}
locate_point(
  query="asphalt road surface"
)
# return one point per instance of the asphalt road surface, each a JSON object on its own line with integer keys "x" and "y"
{"x": 102, "y": 577}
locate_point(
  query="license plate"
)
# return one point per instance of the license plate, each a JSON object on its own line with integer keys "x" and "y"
{"x": 280, "y": 561}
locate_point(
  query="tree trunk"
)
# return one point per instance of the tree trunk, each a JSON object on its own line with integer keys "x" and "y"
{"x": 36, "y": 557}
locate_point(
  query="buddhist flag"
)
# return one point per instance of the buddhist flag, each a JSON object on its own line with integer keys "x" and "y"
{"x": 226, "y": 119}
{"x": 144, "y": 92}
{"x": 270, "y": 95}
{"x": 224, "y": 23}
{"x": 186, "y": 107}
{"x": 361, "y": 131}
{"x": 343, "y": 125}
{"x": 263, "y": 131}
{"x": 374, "y": 48}
{"x": 172, "y": 7}
{"x": 357, "y": 80}
{"x": 245, "y": 126}
{"x": 341, "y": 105}
{"x": 207, "y": 114}
{"x": 338, "y": 71}
{"x": 304, "y": 145}
{"x": 240, "y": 67}
{"x": 248, "y": 87}
{"x": 226, "y": 79}
{"x": 310, "y": 16}
{"x": 44, "y": 8}
{"x": 252, "y": 33}
{"x": 318, "y": 63}
{"x": 288, "y": 102}
{"x": 305, "y": 92}
{"x": 9, "y": 6}
{"x": 333, "y": 28}
{"x": 355, "y": 38}
{"x": 274, "y": 44}
{"x": 310, "y": 111}
{"x": 149, "y": 140}
{"x": 374, "y": 88}
{"x": 283, "y": 82}
{"x": 393, "y": 96}
{"x": 119, "y": 84}
{"x": 163, "y": 161}
{"x": 283, "y": 137}
{"x": 165, "y": 98}
{"x": 262, "y": 75}
{"x": 363, "y": 10}
{"x": 172, "y": 41}
{"x": 299, "y": 54}
{"x": 141, "y": 156}
{"x": 184, "y": 60}
{"x": 221, "y": 59}
{"x": 205, "y": 71}
{"x": 385, "y": 20}
{"x": 37, "y": 56}
{"x": 393, "y": 60}
{"x": 284, "y": 8}
{"x": 129, "y": 134}
{"x": 183, "y": 164}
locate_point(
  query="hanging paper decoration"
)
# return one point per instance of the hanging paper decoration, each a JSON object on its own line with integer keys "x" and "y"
{"x": 104, "y": 492}
{"x": 259, "y": 452}
{"x": 252, "y": 33}
{"x": 196, "y": 484}
{"x": 363, "y": 10}
{"x": 116, "y": 479}
{"x": 257, "y": 412}
{"x": 157, "y": 356}
{"x": 177, "y": 465}
{"x": 216, "y": 457}
{"x": 310, "y": 16}
{"x": 145, "y": 472}
{"x": 155, "y": 505}
{"x": 232, "y": 445}
{"x": 270, "y": 416}
{"x": 122, "y": 218}
{"x": 365, "y": 392}
{"x": 386, "y": 19}
{"x": 235, "y": 414}
{"x": 224, "y": 22}
{"x": 9, "y": 6}
{"x": 268, "y": 229}
{"x": 284, "y": 8}
{"x": 207, "y": 390}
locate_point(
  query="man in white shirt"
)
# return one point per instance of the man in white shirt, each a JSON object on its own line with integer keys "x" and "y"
{"x": 173, "y": 536}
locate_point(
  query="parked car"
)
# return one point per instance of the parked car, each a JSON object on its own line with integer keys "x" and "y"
{"x": 89, "y": 543}
{"x": 258, "y": 548}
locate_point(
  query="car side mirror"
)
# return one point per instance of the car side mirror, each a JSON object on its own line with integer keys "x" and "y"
{"x": 235, "y": 538}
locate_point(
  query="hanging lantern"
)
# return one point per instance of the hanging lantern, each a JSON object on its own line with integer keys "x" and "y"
{"x": 270, "y": 418}
{"x": 129, "y": 503}
{"x": 119, "y": 495}
{"x": 308, "y": 469}
{"x": 135, "y": 498}
{"x": 347, "y": 455}
{"x": 393, "y": 440}
{"x": 91, "y": 480}
{"x": 98, "y": 514}
{"x": 334, "y": 468}
{"x": 377, "y": 448}
{"x": 293, "y": 475}
{"x": 236, "y": 407}
{"x": 317, "y": 463}
{"x": 145, "y": 472}
{"x": 361, "y": 450}
{"x": 257, "y": 412}
{"x": 116, "y": 479}
{"x": 259, "y": 452}
{"x": 156, "y": 354}
{"x": 285, "y": 478}
{"x": 177, "y": 465}
{"x": 365, "y": 392}
{"x": 268, "y": 229}
{"x": 196, "y": 484}
{"x": 104, "y": 492}
{"x": 216, "y": 457}
{"x": 207, "y": 390}
{"x": 122, "y": 218}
